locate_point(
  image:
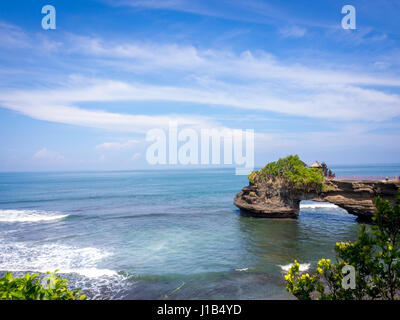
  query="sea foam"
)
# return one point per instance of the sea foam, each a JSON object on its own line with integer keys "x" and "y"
{"x": 318, "y": 205}
{"x": 20, "y": 257}
{"x": 29, "y": 216}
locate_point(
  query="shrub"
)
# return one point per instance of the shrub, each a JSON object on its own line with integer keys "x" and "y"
{"x": 375, "y": 257}
{"x": 293, "y": 171}
{"x": 29, "y": 287}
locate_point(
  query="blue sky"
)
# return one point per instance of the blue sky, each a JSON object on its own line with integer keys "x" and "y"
{"x": 84, "y": 95}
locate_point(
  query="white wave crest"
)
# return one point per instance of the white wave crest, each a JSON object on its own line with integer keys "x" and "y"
{"x": 19, "y": 257}
{"x": 318, "y": 205}
{"x": 29, "y": 216}
{"x": 242, "y": 269}
{"x": 91, "y": 272}
{"x": 302, "y": 267}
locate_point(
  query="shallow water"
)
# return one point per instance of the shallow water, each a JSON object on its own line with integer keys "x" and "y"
{"x": 143, "y": 234}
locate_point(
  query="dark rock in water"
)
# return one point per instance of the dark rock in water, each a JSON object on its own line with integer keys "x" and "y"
{"x": 274, "y": 198}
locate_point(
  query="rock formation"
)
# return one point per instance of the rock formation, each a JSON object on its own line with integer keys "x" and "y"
{"x": 274, "y": 198}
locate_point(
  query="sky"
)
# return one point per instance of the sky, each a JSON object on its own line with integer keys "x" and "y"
{"x": 83, "y": 96}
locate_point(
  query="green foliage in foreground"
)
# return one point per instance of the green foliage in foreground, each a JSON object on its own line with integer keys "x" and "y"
{"x": 293, "y": 171}
{"x": 375, "y": 257}
{"x": 29, "y": 287}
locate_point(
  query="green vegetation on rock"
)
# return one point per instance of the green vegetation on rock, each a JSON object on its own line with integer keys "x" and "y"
{"x": 375, "y": 257}
{"x": 31, "y": 287}
{"x": 293, "y": 171}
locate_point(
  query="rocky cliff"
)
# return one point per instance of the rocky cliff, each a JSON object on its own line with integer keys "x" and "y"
{"x": 274, "y": 198}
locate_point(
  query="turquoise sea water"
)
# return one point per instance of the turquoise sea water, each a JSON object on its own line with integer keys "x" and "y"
{"x": 142, "y": 234}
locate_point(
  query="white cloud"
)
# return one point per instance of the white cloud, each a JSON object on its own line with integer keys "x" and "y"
{"x": 247, "y": 80}
{"x": 332, "y": 101}
{"x": 220, "y": 64}
{"x": 136, "y": 156}
{"x": 117, "y": 145}
{"x": 48, "y": 155}
{"x": 45, "y": 110}
{"x": 12, "y": 36}
{"x": 255, "y": 11}
{"x": 293, "y": 32}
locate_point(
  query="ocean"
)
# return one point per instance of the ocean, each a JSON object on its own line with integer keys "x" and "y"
{"x": 161, "y": 234}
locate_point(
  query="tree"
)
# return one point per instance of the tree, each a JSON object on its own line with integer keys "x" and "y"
{"x": 30, "y": 287}
{"x": 375, "y": 257}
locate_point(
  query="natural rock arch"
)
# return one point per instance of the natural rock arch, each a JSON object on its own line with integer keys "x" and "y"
{"x": 274, "y": 199}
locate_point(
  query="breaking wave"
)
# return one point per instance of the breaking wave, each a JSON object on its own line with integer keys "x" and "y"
{"x": 49, "y": 257}
{"x": 29, "y": 216}
{"x": 318, "y": 206}
{"x": 80, "y": 265}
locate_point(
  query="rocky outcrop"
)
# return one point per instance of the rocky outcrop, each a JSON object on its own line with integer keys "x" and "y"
{"x": 274, "y": 198}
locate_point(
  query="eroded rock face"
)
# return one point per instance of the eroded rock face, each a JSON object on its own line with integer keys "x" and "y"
{"x": 276, "y": 199}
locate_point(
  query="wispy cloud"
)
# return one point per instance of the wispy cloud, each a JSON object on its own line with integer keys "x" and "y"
{"x": 247, "y": 80}
{"x": 261, "y": 65}
{"x": 275, "y": 86}
{"x": 334, "y": 102}
{"x": 364, "y": 35}
{"x": 101, "y": 119}
{"x": 255, "y": 11}
{"x": 48, "y": 155}
{"x": 117, "y": 145}
{"x": 293, "y": 32}
{"x": 12, "y": 35}
{"x": 136, "y": 156}
{"x": 200, "y": 7}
